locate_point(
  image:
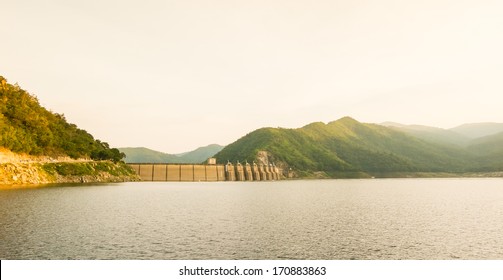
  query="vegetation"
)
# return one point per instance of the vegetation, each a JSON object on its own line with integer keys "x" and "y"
{"x": 462, "y": 135}
{"x": 432, "y": 134}
{"x": 477, "y": 130}
{"x": 200, "y": 154}
{"x": 144, "y": 155}
{"x": 150, "y": 156}
{"x": 86, "y": 169}
{"x": 349, "y": 148}
{"x": 27, "y": 127}
{"x": 489, "y": 152}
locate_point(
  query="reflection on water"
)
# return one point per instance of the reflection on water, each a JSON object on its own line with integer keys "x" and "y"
{"x": 327, "y": 219}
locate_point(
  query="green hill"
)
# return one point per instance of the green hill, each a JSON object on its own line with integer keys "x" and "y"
{"x": 488, "y": 151}
{"x": 27, "y": 127}
{"x": 488, "y": 145}
{"x": 198, "y": 155}
{"x": 32, "y": 140}
{"x": 478, "y": 130}
{"x": 140, "y": 154}
{"x": 483, "y": 141}
{"x": 346, "y": 147}
{"x": 431, "y": 134}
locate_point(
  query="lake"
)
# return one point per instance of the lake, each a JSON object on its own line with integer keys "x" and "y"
{"x": 306, "y": 219}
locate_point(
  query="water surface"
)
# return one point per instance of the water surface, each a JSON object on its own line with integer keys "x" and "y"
{"x": 317, "y": 219}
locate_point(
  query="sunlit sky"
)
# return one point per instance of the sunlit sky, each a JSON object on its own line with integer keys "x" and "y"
{"x": 177, "y": 75}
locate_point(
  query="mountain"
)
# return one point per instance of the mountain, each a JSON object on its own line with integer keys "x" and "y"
{"x": 200, "y": 154}
{"x": 492, "y": 144}
{"x": 431, "y": 134}
{"x": 477, "y": 130}
{"x": 27, "y": 127}
{"x": 141, "y": 154}
{"x": 147, "y": 155}
{"x": 488, "y": 151}
{"x": 344, "y": 147}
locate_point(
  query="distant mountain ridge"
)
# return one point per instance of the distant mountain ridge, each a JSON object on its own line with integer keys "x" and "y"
{"x": 477, "y": 130}
{"x": 432, "y": 134}
{"x": 346, "y": 148}
{"x": 145, "y": 155}
{"x": 461, "y": 135}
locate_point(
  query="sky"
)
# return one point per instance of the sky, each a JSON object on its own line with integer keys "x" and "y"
{"x": 176, "y": 75}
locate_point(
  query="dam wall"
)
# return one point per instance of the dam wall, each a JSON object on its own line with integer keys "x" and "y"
{"x": 163, "y": 172}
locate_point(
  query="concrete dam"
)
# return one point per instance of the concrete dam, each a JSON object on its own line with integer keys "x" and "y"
{"x": 169, "y": 172}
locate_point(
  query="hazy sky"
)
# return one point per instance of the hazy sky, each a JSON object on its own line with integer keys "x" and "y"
{"x": 176, "y": 75}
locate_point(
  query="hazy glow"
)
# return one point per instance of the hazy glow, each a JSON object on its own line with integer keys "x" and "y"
{"x": 175, "y": 75}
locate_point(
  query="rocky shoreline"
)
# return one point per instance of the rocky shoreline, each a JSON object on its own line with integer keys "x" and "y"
{"x": 48, "y": 173}
{"x": 18, "y": 169}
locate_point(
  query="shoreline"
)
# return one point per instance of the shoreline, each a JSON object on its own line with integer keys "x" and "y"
{"x": 420, "y": 175}
{"x": 54, "y": 185}
{"x": 36, "y": 173}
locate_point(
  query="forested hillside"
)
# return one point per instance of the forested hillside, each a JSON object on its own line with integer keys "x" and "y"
{"x": 347, "y": 146}
{"x": 141, "y": 154}
{"x": 200, "y": 154}
{"x": 27, "y": 127}
{"x": 145, "y": 155}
